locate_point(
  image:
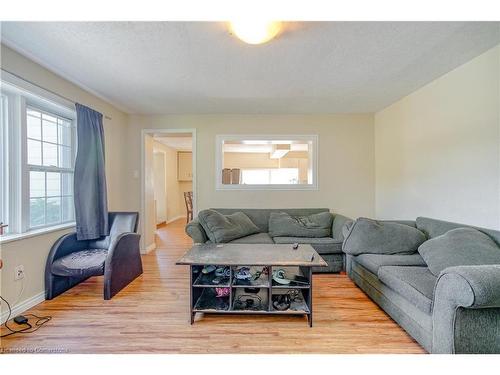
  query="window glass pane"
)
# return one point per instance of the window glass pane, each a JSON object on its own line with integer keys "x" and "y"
{"x": 49, "y": 131}
{"x": 65, "y": 160}
{"x": 53, "y": 184}
{"x": 255, "y": 176}
{"x": 37, "y": 184}
{"x": 53, "y": 210}
{"x": 286, "y": 176}
{"x": 64, "y": 132}
{"x": 37, "y": 212}
{"x": 34, "y": 127}
{"x": 67, "y": 184}
{"x": 68, "y": 210}
{"x": 33, "y": 112}
{"x": 49, "y": 154}
{"x": 49, "y": 118}
{"x": 34, "y": 152}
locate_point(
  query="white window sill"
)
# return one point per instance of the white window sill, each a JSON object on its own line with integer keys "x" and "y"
{"x": 33, "y": 233}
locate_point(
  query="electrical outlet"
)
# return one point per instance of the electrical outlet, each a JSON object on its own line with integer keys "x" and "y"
{"x": 19, "y": 272}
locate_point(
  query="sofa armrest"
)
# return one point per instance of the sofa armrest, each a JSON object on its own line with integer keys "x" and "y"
{"x": 463, "y": 298}
{"x": 196, "y": 231}
{"x": 338, "y": 223}
{"x": 123, "y": 263}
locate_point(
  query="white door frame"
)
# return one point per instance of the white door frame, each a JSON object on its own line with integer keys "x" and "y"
{"x": 163, "y": 131}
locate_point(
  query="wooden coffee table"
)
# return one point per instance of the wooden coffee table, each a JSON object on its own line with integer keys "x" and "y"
{"x": 258, "y": 258}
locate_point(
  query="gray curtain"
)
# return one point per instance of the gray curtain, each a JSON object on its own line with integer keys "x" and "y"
{"x": 91, "y": 205}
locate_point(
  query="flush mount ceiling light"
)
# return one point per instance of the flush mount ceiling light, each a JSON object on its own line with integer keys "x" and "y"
{"x": 255, "y": 31}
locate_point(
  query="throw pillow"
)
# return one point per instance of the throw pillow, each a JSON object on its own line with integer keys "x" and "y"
{"x": 367, "y": 236}
{"x": 224, "y": 228}
{"x": 459, "y": 247}
{"x": 282, "y": 224}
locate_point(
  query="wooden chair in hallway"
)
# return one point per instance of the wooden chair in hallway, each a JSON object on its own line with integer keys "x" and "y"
{"x": 188, "y": 199}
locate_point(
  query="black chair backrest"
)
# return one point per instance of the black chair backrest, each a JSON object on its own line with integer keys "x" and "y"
{"x": 119, "y": 222}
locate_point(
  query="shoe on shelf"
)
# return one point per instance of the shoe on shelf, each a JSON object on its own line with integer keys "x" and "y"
{"x": 243, "y": 274}
{"x": 208, "y": 269}
{"x": 279, "y": 277}
{"x": 282, "y": 302}
{"x": 222, "y": 272}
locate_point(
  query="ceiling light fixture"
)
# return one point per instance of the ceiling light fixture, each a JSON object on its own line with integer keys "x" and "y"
{"x": 255, "y": 31}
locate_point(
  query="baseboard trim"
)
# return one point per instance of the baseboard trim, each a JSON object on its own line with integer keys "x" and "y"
{"x": 149, "y": 248}
{"x": 176, "y": 218}
{"x": 23, "y": 306}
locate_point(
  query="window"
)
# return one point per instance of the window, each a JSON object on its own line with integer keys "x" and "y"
{"x": 38, "y": 147}
{"x": 258, "y": 162}
{"x": 49, "y": 145}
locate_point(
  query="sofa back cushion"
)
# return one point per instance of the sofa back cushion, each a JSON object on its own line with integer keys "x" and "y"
{"x": 260, "y": 216}
{"x": 224, "y": 228}
{"x": 433, "y": 228}
{"x": 368, "y": 236}
{"x": 459, "y": 247}
{"x": 282, "y": 224}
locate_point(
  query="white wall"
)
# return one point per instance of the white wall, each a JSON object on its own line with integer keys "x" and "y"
{"x": 346, "y": 159}
{"x": 437, "y": 150}
{"x": 32, "y": 252}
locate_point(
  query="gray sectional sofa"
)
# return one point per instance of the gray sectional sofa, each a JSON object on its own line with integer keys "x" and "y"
{"x": 329, "y": 247}
{"x": 457, "y": 311}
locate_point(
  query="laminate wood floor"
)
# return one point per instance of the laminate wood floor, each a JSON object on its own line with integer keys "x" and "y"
{"x": 151, "y": 316}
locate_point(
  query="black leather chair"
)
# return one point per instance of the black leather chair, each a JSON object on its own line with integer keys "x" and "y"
{"x": 116, "y": 256}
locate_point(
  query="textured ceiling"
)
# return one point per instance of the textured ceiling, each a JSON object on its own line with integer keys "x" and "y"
{"x": 198, "y": 67}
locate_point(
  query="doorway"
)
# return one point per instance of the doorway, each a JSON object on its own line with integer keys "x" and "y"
{"x": 168, "y": 179}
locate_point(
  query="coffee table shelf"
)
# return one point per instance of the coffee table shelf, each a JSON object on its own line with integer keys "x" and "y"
{"x": 203, "y": 294}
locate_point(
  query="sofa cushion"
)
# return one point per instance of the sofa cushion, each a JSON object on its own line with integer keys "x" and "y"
{"x": 323, "y": 245}
{"x": 84, "y": 263}
{"x": 459, "y": 247}
{"x": 224, "y": 228}
{"x": 373, "y": 262}
{"x": 415, "y": 284}
{"x": 368, "y": 236}
{"x": 257, "y": 238}
{"x": 260, "y": 216}
{"x": 282, "y": 224}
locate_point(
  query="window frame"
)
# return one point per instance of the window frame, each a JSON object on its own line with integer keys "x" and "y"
{"x": 312, "y": 139}
{"x": 20, "y": 95}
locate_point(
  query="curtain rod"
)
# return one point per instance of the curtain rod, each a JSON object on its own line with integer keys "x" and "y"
{"x": 43, "y": 88}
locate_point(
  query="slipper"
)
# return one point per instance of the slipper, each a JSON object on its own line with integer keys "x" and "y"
{"x": 208, "y": 269}
{"x": 279, "y": 277}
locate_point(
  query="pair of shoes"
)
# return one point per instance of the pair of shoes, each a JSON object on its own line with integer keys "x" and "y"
{"x": 248, "y": 302}
{"x": 243, "y": 274}
{"x": 282, "y": 302}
